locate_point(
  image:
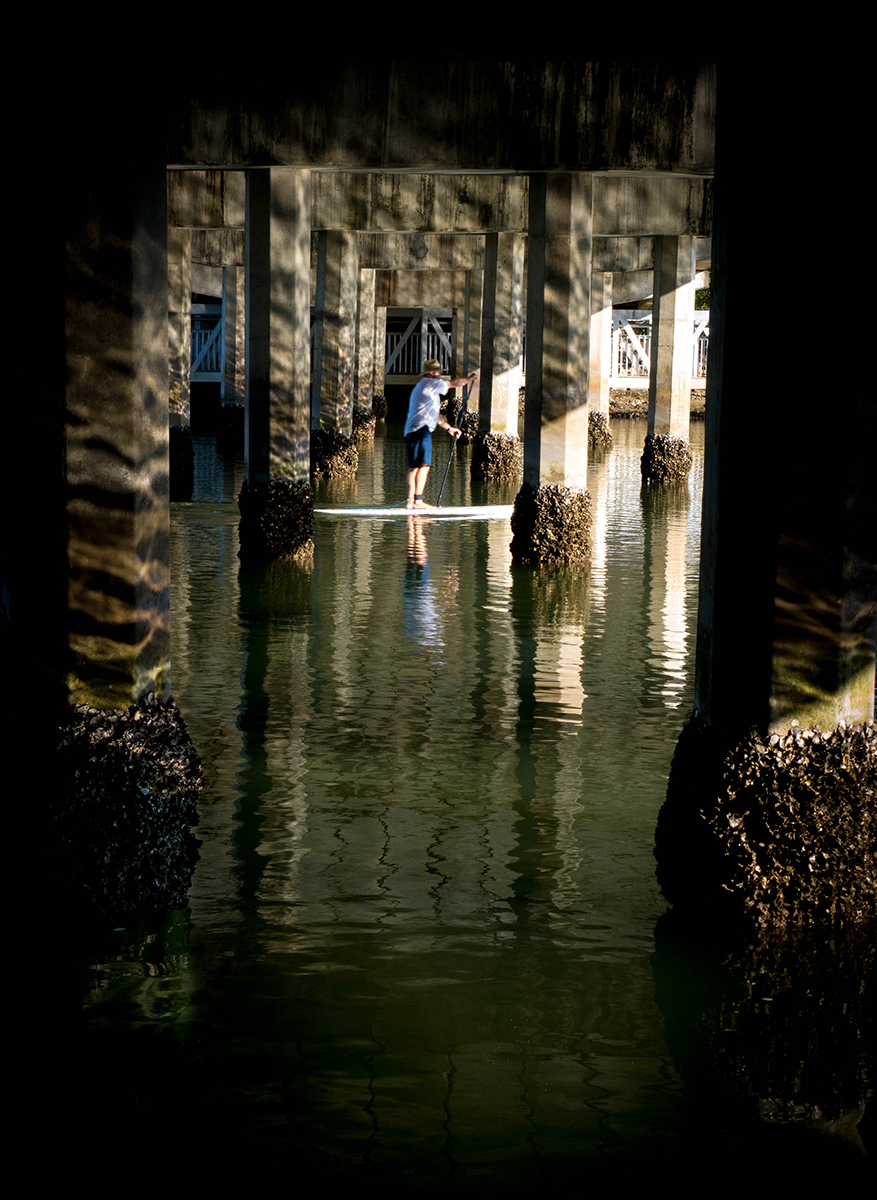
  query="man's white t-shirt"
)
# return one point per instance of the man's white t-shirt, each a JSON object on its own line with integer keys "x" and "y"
{"x": 425, "y": 403}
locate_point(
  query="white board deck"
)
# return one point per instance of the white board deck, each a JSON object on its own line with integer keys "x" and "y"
{"x": 488, "y": 512}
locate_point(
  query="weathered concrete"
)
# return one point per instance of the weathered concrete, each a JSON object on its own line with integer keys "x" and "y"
{"x": 335, "y": 331}
{"x": 666, "y": 455}
{"x": 460, "y": 115}
{"x": 600, "y": 352}
{"x": 179, "y": 310}
{"x": 672, "y": 332}
{"x": 558, "y": 321}
{"x": 556, "y": 403}
{"x": 502, "y": 333}
{"x": 365, "y": 353}
{"x": 447, "y": 206}
{"x": 233, "y": 388}
{"x": 117, "y": 438}
{"x": 787, "y": 613}
{"x": 278, "y": 331}
{"x": 276, "y": 504}
{"x": 421, "y": 252}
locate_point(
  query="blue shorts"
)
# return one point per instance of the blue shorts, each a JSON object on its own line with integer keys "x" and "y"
{"x": 419, "y": 444}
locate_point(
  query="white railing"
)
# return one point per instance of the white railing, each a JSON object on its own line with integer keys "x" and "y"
{"x": 632, "y": 348}
{"x": 407, "y": 352}
{"x": 207, "y": 352}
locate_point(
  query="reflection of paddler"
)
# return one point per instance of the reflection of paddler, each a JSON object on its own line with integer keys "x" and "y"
{"x": 423, "y": 415}
{"x": 423, "y": 622}
{"x": 417, "y": 552}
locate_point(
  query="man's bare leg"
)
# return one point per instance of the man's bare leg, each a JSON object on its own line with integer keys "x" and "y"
{"x": 416, "y": 484}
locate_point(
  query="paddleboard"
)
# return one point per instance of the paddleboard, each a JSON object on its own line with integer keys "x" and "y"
{"x": 486, "y": 512}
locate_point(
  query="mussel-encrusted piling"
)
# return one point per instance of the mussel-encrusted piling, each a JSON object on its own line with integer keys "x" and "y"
{"x": 551, "y": 524}
{"x": 123, "y": 820}
{"x": 599, "y": 434}
{"x": 464, "y": 418}
{"x": 497, "y": 457}
{"x": 333, "y": 454}
{"x": 780, "y": 831}
{"x": 665, "y": 459}
{"x": 277, "y": 520}
{"x": 364, "y": 422}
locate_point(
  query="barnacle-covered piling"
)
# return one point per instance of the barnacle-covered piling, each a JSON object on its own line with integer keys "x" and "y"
{"x": 277, "y": 520}
{"x": 780, "y": 831}
{"x": 665, "y": 459}
{"x": 333, "y": 454}
{"x": 551, "y": 524}
{"x": 497, "y": 457}
{"x": 121, "y": 826}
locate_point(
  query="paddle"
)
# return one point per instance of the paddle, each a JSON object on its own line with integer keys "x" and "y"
{"x": 438, "y": 502}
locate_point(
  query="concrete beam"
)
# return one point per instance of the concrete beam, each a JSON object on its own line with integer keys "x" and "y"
{"x": 458, "y": 115}
{"x": 421, "y": 252}
{"x": 391, "y": 202}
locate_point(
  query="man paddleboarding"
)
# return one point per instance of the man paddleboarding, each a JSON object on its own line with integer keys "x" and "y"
{"x": 423, "y": 416}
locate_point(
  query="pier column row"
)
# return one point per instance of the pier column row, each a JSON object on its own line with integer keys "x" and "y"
{"x": 277, "y": 503}
{"x": 551, "y": 521}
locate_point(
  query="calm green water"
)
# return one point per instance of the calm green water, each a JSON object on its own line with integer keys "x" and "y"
{"x": 423, "y": 948}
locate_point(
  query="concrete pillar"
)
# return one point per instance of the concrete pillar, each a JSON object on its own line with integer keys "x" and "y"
{"x": 179, "y": 294}
{"x": 234, "y": 322}
{"x": 667, "y": 458}
{"x": 337, "y": 286}
{"x": 600, "y": 360}
{"x": 558, "y": 331}
{"x": 765, "y": 815}
{"x": 380, "y": 363}
{"x": 117, "y": 391}
{"x": 672, "y": 331}
{"x": 502, "y": 332}
{"x": 277, "y": 428}
{"x": 558, "y": 338}
{"x": 473, "y": 336}
{"x": 364, "y": 358}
